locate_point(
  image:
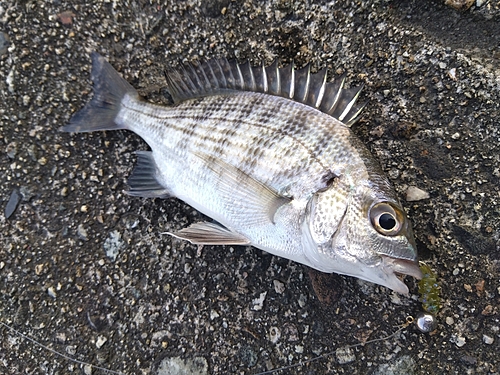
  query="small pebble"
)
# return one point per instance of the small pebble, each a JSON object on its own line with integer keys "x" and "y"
{"x": 51, "y": 292}
{"x": 66, "y": 17}
{"x": 12, "y": 203}
{"x": 4, "y": 43}
{"x": 39, "y": 269}
{"x": 488, "y": 339}
{"x": 302, "y": 300}
{"x": 452, "y": 73}
{"x": 61, "y": 337}
{"x": 279, "y": 287}
{"x": 414, "y": 194}
{"x": 178, "y": 365}
{"x": 460, "y": 341}
{"x": 71, "y": 349}
{"x": 274, "y": 334}
{"x": 214, "y": 315}
{"x": 11, "y": 150}
{"x": 101, "y": 340}
{"x": 488, "y": 310}
{"x": 113, "y": 245}
{"x": 345, "y": 355}
{"x": 460, "y": 4}
{"x": 82, "y": 232}
{"x": 258, "y": 303}
{"x": 10, "y": 81}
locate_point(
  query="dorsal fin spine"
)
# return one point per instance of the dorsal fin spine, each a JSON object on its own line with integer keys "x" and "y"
{"x": 278, "y": 77}
{"x": 307, "y": 69}
{"x": 321, "y": 92}
{"x": 308, "y": 80}
{"x": 229, "y": 68}
{"x": 211, "y": 73}
{"x": 356, "y": 114}
{"x": 223, "y": 76}
{"x": 272, "y": 76}
{"x": 201, "y": 78}
{"x": 264, "y": 78}
{"x": 337, "y": 95}
{"x": 349, "y": 105}
{"x": 205, "y": 81}
{"x": 216, "y": 76}
{"x": 190, "y": 77}
{"x": 226, "y": 67}
{"x": 240, "y": 76}
{"x": 253, "y": 86}
{"x": 184, "y": 86}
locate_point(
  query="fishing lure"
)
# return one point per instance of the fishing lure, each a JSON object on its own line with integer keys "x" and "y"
{"x": 428, "y": 289}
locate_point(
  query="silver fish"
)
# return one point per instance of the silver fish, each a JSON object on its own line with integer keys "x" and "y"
{"x": 267, "y": 153}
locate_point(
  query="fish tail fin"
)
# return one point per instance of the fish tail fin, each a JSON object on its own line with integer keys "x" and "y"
{"x": 101, "y": 112}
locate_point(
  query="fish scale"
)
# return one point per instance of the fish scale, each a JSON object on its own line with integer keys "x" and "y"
{"x": 268, "y": 154}
{"x": 242, "y": 143}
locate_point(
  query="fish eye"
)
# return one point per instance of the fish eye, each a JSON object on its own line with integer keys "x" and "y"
{"x": 386, "y": 219}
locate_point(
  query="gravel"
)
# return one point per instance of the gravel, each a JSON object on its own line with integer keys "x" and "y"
{"x": 86, "y": 272}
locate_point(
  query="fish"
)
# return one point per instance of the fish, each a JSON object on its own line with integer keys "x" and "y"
{"x": 267, "y": 153}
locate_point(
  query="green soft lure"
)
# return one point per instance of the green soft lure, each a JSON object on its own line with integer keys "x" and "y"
{"x": 429, "y": 290}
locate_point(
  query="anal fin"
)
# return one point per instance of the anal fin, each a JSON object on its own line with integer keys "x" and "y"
{"x": 143, "y": 182}
{"x": 210, "y": 234}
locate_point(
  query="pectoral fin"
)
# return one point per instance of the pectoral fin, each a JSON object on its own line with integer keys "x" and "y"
{"x": 249, "y": 201}
{"x": 210, "y": 234}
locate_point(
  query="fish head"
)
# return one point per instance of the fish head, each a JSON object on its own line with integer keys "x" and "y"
{"x": 362, "y": 232}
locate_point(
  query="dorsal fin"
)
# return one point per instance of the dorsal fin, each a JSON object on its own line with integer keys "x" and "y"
{"x": 219, "y": 75}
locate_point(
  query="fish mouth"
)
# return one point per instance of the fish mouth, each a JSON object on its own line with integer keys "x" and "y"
{"x": 407, "y": 267}
{"x": 395, "y": 269}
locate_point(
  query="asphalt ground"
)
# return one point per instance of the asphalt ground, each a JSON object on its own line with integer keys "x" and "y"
{"x": 85, "y": 271}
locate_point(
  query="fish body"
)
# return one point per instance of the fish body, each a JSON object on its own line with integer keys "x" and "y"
{"x": 268, "y": 154}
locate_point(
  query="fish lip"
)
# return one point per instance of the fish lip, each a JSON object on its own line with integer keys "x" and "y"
{"x": 401, "y": 266}
{"x": 407, "y": 267}
{"x": 394, "y": 268}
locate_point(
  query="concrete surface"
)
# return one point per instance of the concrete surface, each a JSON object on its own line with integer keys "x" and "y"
{"x": 85, "y": 271}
